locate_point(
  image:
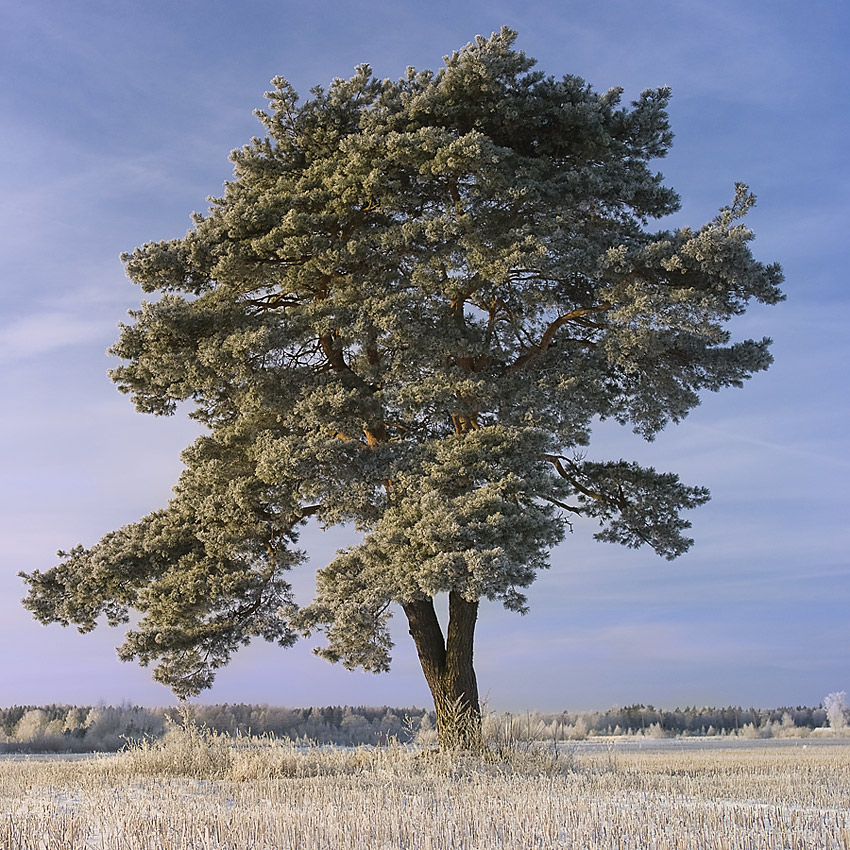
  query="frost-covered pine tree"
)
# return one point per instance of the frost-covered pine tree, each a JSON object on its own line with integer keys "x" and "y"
{"x": 405, "y": 313}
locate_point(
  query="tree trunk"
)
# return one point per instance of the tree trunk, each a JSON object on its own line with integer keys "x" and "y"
{"x": 447, "y": 665}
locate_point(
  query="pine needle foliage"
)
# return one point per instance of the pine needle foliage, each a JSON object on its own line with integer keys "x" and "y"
{"x": 405, "y": 313}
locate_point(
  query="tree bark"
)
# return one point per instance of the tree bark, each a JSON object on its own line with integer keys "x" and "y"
{"x": 448, "y": 668}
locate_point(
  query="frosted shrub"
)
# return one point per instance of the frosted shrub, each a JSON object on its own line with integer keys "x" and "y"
{"x": 788, "y": 729}
{"x": 184, "y": 750}
{"x": 35, "y": 731}
{"x": 32, "y": 727}
{"x": 835, "y": 704}
{"x": 578, "y": 730}
{"x": 105, "y": 727}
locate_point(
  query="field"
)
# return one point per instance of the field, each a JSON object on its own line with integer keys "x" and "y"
{"x": 202, "y": 791}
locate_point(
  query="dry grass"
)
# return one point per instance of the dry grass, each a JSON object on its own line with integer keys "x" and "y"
{"x": 201, "y": 791}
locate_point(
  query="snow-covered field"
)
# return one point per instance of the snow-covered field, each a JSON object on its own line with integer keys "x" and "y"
{"x": 206, "y": 792}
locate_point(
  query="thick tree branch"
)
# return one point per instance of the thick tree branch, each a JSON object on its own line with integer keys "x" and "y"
{"x": 551, "y": 330}
{"x": 557, "y": 462}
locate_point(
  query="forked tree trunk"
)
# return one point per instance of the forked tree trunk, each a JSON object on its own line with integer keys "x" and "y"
{"x": 447, "y": 665}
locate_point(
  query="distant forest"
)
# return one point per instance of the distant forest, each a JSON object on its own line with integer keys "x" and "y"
{"x": 62, "y": 728}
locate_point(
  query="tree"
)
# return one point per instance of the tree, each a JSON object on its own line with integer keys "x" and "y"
{"x": 405, "y": 313}
{"x": 835, "y": 704}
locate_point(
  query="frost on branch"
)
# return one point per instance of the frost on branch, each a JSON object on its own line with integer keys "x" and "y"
{"x": 406, "y": 312}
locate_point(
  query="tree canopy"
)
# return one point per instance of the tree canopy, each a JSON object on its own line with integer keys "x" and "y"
{"x": 405, "y": 313}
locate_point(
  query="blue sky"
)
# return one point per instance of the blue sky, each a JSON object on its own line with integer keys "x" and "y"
{"x": 116, "y": 120}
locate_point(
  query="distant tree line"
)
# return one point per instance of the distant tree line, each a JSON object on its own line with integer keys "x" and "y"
{"x": 54, "y": 728}
{"x": 639, "y": 719}
{"x": 62, "y": 728}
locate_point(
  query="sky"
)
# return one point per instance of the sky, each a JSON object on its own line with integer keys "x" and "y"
{"x": 116, "y": 121}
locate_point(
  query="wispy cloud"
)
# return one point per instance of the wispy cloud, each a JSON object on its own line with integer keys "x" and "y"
{"x": 39, "y": 333}
{"x": 772, "y": 447}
